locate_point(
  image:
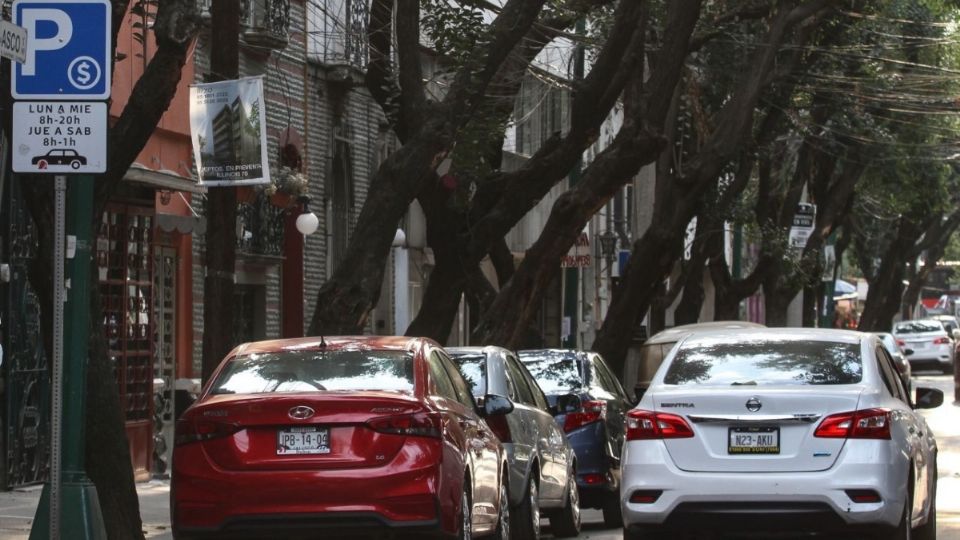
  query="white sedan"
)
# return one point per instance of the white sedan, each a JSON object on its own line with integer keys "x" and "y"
{"x": 774, "y": 430}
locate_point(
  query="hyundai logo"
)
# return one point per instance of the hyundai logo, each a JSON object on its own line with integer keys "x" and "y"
{"x": 753, "y": 404}
{"x": 300, "y": 412}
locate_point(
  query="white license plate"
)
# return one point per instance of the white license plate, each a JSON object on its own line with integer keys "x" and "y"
{"x": 303, "y": 440}
{"x": 754, "y": 440}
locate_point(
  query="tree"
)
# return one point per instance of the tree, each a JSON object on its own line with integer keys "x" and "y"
{"x": 176, "y": 24}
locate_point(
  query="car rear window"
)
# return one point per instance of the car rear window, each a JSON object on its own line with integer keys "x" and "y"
{"x": 317, "y": 371}
{"x": 917, "y": 327}
{"x": 556, "y": 373}
{"x": 473, "y": 367}
{"x": 724, "y": 362}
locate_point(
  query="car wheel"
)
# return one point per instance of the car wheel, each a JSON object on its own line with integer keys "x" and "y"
{"x": 466, "y": 515}
{"x": 902, "y": 530}
{"x": 526, "y": 523}
{"x": 566, "y": 522}
{"x": 928, "y": 531}
{"x": 612, "y": 513}
{"x": 75, "y": 164}
{"x": 503, "y": 520}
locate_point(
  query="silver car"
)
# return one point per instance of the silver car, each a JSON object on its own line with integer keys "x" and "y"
{"x": 803, "y": 430}
{"x": 926, "y": 344}
{"x": 541, "y": 461}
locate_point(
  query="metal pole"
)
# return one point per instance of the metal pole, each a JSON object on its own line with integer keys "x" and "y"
{"x": 59, "y": 238}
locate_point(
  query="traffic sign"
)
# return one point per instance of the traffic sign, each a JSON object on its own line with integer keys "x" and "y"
{"x": 68, "y": 56}
{"x": 59, "y": 137}
{"x": 13, "y": 41}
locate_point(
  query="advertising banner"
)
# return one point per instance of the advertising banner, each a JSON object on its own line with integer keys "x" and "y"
{"x": 229, "y": 132}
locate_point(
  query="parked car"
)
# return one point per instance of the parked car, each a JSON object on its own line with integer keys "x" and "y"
{"x": 339, "y": 434}
{"x": 899, "y": 359}
{"x": 772, "y": 430}
{"x": 591, "y": 406}
{"x": 928, "y": 343}
{"x": 639, "y": 367}
{"x": 542, "y": 462}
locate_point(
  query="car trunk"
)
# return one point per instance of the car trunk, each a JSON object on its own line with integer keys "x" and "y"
{"x": 776, "y": 437}
{"x": 920, "y": 342}
{"x": 335, "y": 436}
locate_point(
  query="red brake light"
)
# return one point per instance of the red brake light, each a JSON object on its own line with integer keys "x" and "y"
{"x": 188, "y": 430}
{"x": 941, "y": 341}
{"x": 415, "y": 425}
{"x": 644, "y": 425}
{"x": 590, "y": 411}
{"x": 865, "y": 424}
{"x": 901, "y": 343}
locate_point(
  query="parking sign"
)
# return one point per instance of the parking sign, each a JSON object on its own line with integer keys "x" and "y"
{"x": 68, "y": 55}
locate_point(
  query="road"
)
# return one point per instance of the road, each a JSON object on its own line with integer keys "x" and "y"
{"x": 945, "y": 423}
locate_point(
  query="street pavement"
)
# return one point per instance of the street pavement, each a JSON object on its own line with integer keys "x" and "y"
{"x": 17, "y": 507}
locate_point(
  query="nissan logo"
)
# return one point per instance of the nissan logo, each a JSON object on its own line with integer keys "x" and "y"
{"x": 300, "y": 412}
{"x": 753, "y": 404}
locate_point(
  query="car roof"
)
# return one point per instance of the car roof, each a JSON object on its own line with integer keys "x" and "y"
{"x": 333, "y": 343}
{"x": 573, "y": 353}
{"x": 486, "y": 350}
{"x": 677, "y": 333}
{"x": 782, "y": 334}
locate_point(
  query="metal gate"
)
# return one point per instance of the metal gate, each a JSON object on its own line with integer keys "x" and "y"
{"x": 24, "y": 379}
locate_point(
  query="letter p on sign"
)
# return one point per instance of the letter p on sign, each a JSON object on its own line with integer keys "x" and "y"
{"x": 59, "y": 40}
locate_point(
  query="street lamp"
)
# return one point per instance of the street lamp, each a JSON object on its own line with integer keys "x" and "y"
{"x": 307, "y": 221}
{"x": 608, "y": 245}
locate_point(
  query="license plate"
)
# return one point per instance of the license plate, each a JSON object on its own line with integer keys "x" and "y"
{"x": 754, "y": 440}
{"x": 303, "y": 440}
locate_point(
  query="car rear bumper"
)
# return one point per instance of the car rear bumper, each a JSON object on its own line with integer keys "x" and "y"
{"x": 806, "y": 501}
{"x": 207, "y": 500}
{"x": 342, "y": 524}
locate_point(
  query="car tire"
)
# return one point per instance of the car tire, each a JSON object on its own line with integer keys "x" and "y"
{"x": 612, "y": 513}
{"x": 928, "y": 531}
{"x": 74, "y": 164}
{"x": 503, "y": 519}
{"x": 526, "y": 523}
{"x": 902, "y": 530}
{"x": 566, "y": 521}
{"x": 465, "y": 516}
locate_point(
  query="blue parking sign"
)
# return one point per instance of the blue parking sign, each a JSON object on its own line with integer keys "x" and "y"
{"x": 68, "y": 50}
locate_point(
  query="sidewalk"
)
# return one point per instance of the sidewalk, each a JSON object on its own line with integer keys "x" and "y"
{"x": 17, "y": 508}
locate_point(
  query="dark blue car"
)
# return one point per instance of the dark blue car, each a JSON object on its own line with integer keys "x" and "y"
{"x": 590, "y": 405}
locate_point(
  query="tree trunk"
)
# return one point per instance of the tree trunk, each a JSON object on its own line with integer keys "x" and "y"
{"x": 886, "y": 287}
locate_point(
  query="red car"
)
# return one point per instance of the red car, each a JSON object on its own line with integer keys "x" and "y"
{"x": 336, "y": 436}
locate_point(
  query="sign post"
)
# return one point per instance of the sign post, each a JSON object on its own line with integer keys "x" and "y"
{"x": 60, "y": 127}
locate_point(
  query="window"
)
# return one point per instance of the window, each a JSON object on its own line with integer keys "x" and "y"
{"x": 317, "y": 371}
{"x": 525, "y": 394}
{"x": 337, "y": 32}
{"x": 473, "y": 367}
{"x": 540, "y": 401}
{"x": 460, "y": 387}
{"x": 917, "y": 327}
{"x": 441, "y": 379}
{"x": 733, "y": 361}
{"x": 889, "y": 375}
{"x": 607, "y": 380}
{"x": 340, "y": 187}
{"x": 557, "y": 372}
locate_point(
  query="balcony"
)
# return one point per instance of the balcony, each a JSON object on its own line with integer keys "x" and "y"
{"x": 264, "y": 23}
{"x": 260, "y": 228}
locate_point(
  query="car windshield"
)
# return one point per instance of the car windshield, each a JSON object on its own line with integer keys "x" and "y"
{"x": 313, "y": 371}
{"x": 918, "y": 327}
{"x": 473, "y": 367}
{"x": 729, "y": 362}
{"x": 556, "y": 372}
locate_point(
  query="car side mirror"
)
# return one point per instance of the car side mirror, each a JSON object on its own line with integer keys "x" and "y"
{"x": 494, "y": 405}
{"x": 907, "y": 352}
{"x": 568, "y": 403}
{"x": 928, "y": 398}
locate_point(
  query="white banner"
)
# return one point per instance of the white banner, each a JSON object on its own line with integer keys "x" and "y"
{"x": 229, "y": 132}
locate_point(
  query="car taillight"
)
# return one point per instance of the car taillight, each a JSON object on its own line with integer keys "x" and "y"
{"x": 590, "y": 411}
{"x": 500, "y": 427}
{"x": 901, "y": 343}
{"x": 941, "y": 341}
{"x": 644, "y": 425}
{"x": 188, "y": 430}
{"x": 414, "y": 425}
{"x": 865, "y": 424}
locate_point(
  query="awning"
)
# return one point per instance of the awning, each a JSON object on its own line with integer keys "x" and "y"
{"x": 162, "y": 179}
